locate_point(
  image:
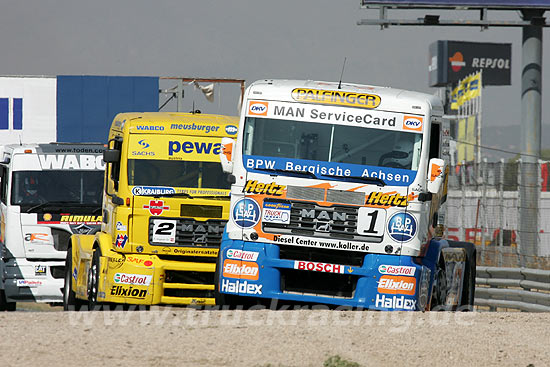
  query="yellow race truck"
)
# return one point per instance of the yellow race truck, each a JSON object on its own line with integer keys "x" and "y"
{"x": 165, "y": 206}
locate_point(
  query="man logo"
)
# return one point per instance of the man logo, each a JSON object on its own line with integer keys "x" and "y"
{"x": 412, "y": 123}
{"x": 257, "y": 108}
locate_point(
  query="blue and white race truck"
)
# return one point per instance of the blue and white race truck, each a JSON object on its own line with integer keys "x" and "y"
{"x": 48, "y": 192}
{"x": 338, "y": 199}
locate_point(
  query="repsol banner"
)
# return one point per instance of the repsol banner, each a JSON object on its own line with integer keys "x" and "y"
{"x": 451, "y": 61}
{"x": 174, "y": 147}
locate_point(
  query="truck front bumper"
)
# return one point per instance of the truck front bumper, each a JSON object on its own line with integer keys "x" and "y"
{"x": 150, "y": 280}
{"x": 34, "y": 281}
{"x": 375, "y": 281}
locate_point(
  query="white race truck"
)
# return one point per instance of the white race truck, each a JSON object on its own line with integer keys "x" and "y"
{"x": 48, "y": 192}
{"x": 337, "y": 199}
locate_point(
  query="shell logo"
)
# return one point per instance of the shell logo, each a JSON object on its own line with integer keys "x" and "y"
{"x": 457, "y": 61}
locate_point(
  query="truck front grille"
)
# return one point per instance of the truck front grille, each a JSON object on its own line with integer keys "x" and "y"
{"x": 308, "y": 219}
{"x": 190, "y": 232}
{"x": 317, "y": 283}
{"x": 61, "y": 239}
{"x": 350, "y": 258}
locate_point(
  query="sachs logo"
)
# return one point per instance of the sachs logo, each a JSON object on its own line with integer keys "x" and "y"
{"x": 144, "y": 144}
{"x": 412, "y": 123}
{"x": 257, "y": 108}
{"x": 457, "y": 61}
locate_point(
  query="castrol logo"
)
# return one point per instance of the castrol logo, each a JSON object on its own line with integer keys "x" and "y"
{"x": 397, "y": 270}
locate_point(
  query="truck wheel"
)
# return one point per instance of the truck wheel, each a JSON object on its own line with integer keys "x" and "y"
{"x": 93, "y": 281}
{"x": 469, "y": 286}
{"x": 70, "y": 302}
{"x": 439, "y": 288}
{"x": 4, "y": 304}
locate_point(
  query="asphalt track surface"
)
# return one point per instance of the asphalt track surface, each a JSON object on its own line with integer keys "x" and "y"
{"x": 187, "y": 337}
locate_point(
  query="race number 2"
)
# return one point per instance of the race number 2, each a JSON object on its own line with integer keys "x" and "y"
{"x": 164, "y": 231}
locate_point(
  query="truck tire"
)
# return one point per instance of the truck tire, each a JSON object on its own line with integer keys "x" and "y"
{"x": 93, "y": 281}
{"x": 439, "y": 288}
{"x": 70, "y": 302}
{"x": 4, "y": 304}
{"x": 468, "y": 288}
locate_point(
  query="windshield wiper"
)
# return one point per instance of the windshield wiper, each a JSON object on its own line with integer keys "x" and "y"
{"x": 283, "y": 171}
{"x": 51, "y": 203}
{"x": 374, "y": 180}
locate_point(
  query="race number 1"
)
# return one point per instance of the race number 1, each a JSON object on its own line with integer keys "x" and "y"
{"x": 370, "y": 221}
{"x": 164, "y": 231}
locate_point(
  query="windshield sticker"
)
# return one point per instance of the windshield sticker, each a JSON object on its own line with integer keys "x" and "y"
{"x": 339, "y": 116}
{"x": 328, "y": 170}
{"x": 336, "y": 97}
{"x": 71, "y": 161}
{"x": 64, "y": 218}
{"x": 174, "y": 147}
{"x": 152, "y": 190}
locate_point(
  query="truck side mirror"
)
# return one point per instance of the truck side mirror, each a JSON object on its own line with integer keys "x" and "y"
{"x": 111, "y": 155}
{"x": 226, "y": 154}
{"x": 436, "y": 173}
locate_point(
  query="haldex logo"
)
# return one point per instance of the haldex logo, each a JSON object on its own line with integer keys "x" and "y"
{"x": 457, "y": 61}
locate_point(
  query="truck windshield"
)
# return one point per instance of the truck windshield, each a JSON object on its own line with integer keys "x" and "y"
{"x": 189, "y": 174}
{"x": 331, "y": 143}
{"x": 81, "y": 188}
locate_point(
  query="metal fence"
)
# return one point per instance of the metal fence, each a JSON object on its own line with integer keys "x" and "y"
{"x": 484, "y": 207}
{"x": 513, "y": 288}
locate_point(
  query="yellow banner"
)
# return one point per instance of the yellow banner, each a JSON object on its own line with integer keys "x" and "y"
{"x": 474, "y": 89}
{"x": 466, "y": 139}
{"x": 454, "y": 99}
{"x": 174, "y": 147}
{"x": 470, "y": 138}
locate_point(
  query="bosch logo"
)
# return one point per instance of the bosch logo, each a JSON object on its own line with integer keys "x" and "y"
{"x": 402, "y": 227}
{"x": 144, "y": 144}
{"x": 231, "y": 129}
{"x": 246, "y": 213}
